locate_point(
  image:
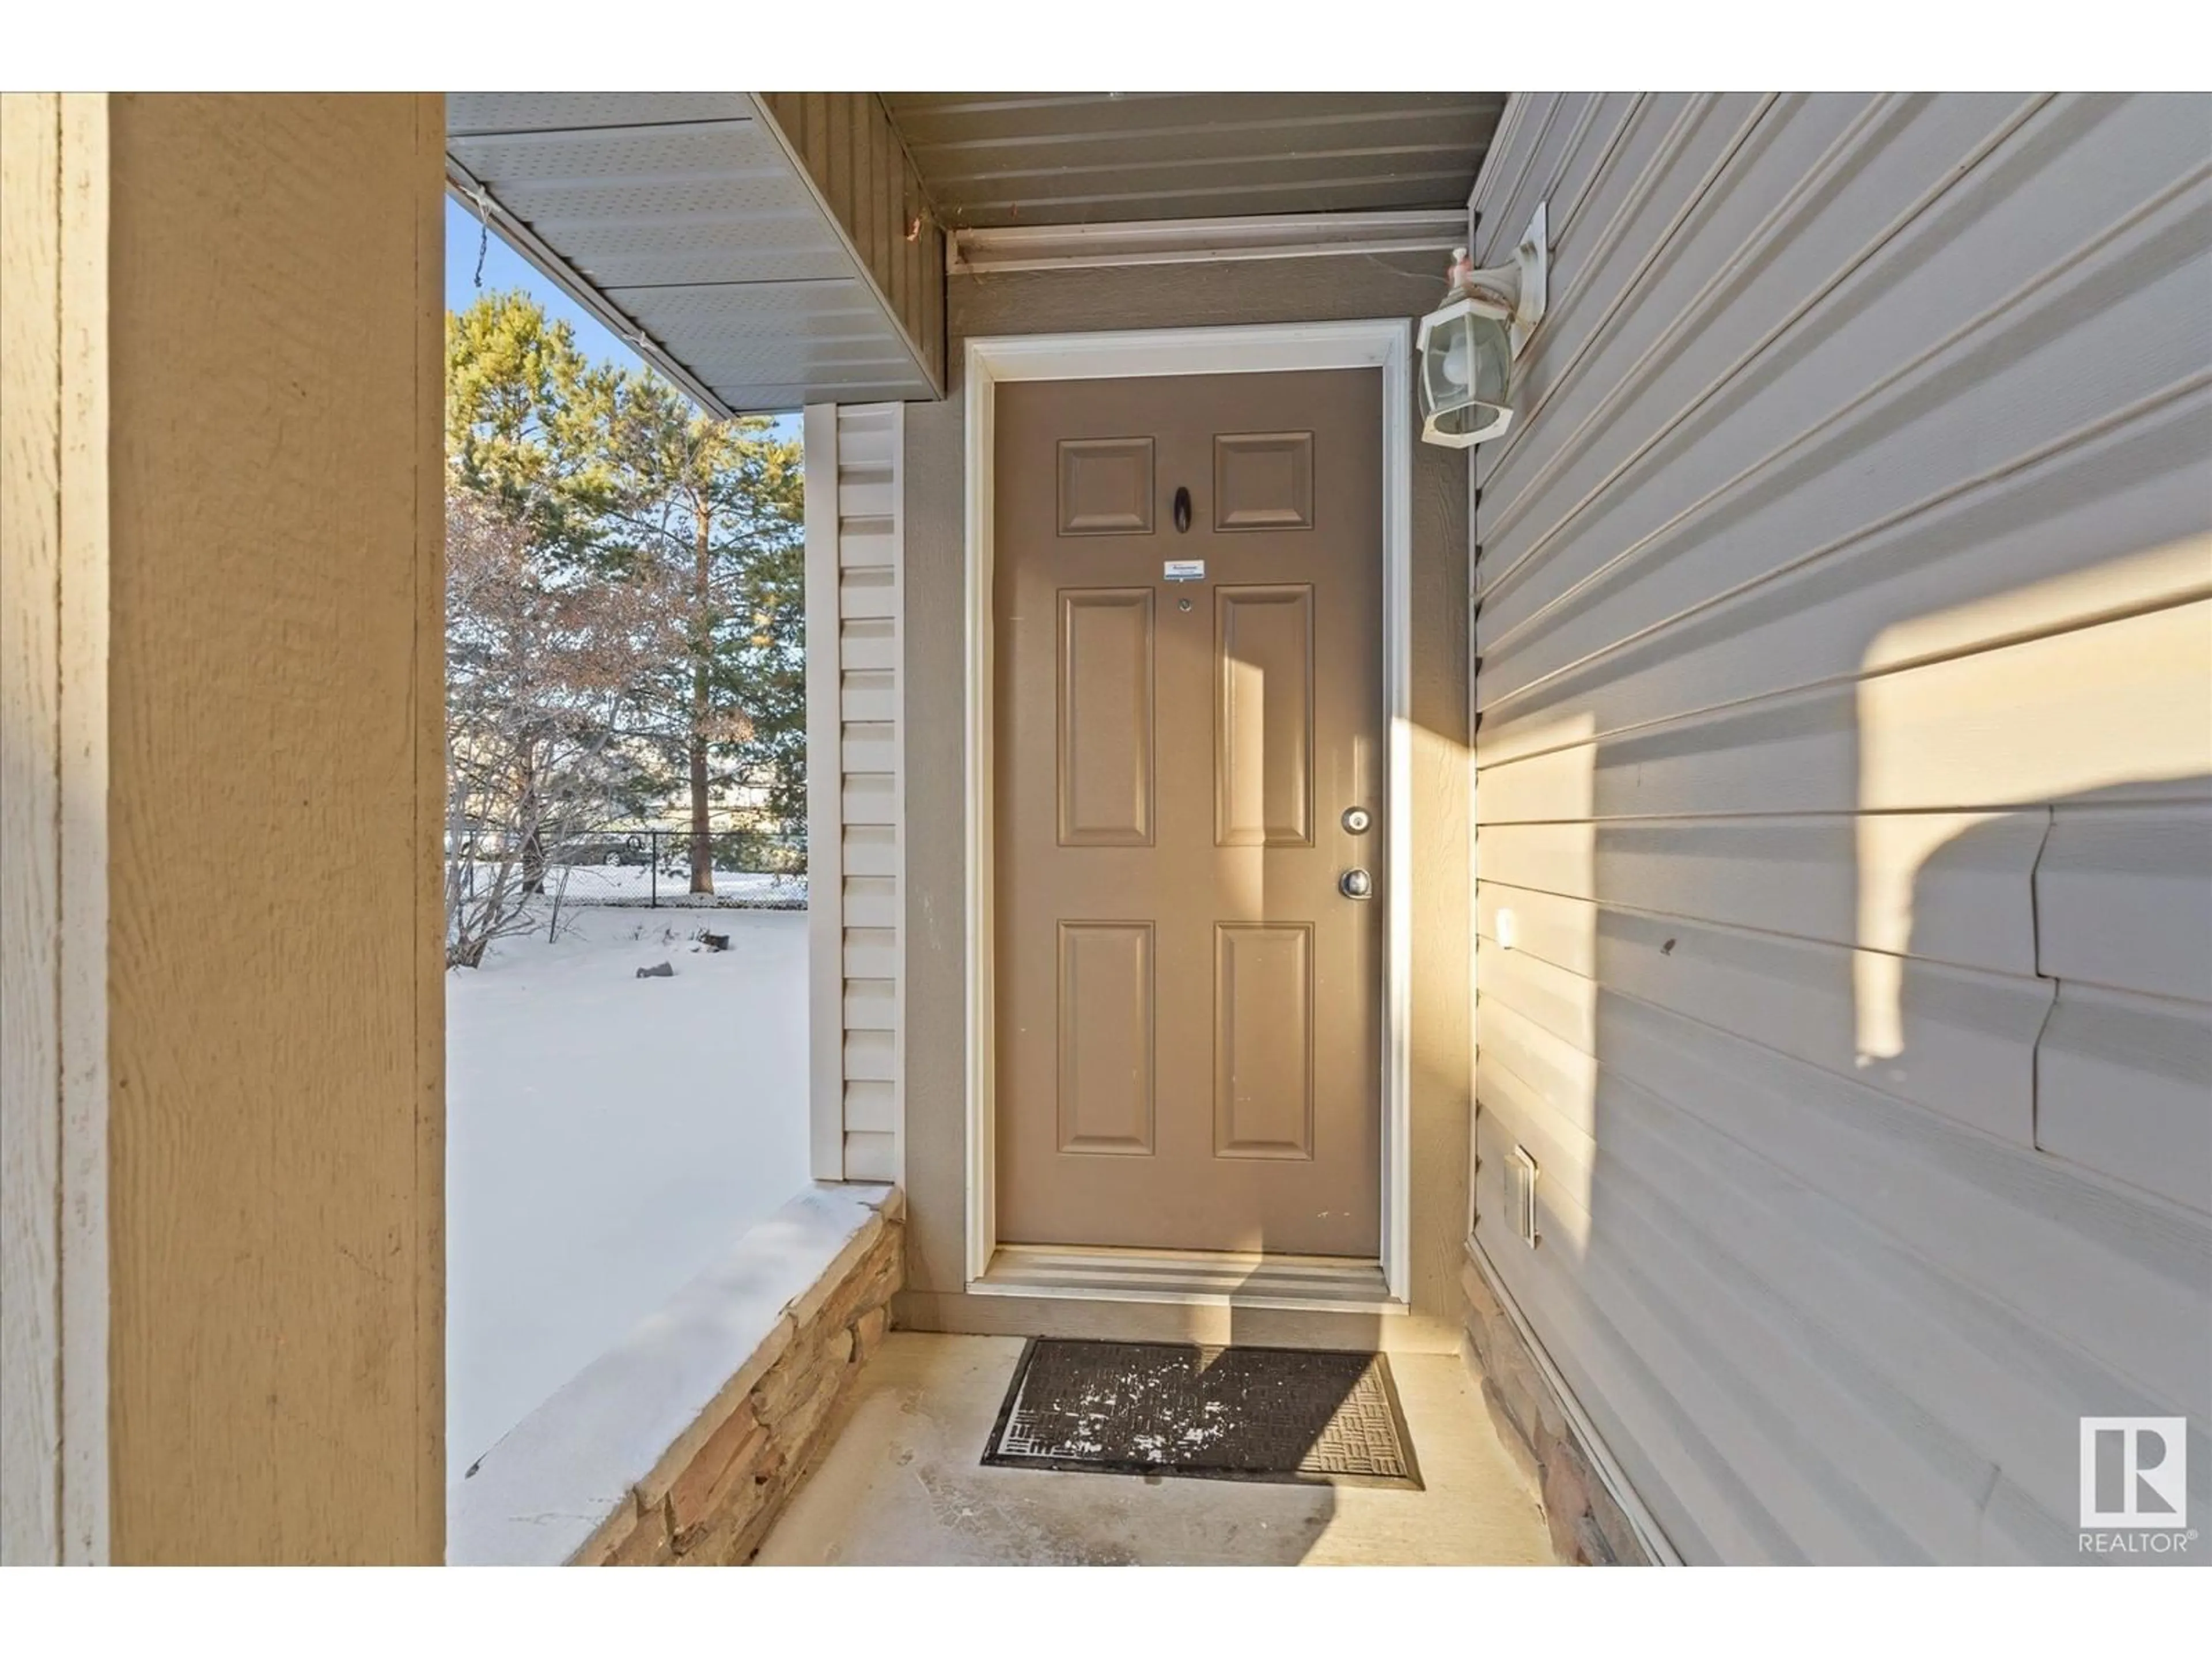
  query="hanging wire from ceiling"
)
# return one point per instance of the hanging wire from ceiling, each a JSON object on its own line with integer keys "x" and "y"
{"x": 482, "y": 200}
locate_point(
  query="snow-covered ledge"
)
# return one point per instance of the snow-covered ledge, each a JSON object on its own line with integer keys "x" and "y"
{"x": 638, "y": 1456}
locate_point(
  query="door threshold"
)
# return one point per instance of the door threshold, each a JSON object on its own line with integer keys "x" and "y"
{"x": 1317, "y": 1284}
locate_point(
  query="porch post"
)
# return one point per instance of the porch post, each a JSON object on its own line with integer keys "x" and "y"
{"x": 856, "y": 789}
{"x": 225, "y": 1130}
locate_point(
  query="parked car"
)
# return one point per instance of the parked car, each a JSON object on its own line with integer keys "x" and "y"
{"x": 612, "y": 849}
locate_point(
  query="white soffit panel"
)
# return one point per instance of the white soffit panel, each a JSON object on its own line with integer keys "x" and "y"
{"x": 679, "y": 221}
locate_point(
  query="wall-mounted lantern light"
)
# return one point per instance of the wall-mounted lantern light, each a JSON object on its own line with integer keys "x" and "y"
{"x": 1469, "y": 344}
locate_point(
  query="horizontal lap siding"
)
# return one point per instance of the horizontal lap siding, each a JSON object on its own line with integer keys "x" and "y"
{"x": 868, "y": 545}
{"x": 1845, "y": 801}
{"x": 859, "y": 1002}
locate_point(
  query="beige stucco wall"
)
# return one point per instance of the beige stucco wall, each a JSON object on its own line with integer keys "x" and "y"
{"x": 276, "y": 991}
{"x": 1290, "y": 290}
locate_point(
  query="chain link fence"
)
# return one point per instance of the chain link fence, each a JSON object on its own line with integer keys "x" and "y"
{"x": 754, "y": 869}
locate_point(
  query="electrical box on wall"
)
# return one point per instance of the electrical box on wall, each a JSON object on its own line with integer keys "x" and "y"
{"x": 1520, "y": 1195}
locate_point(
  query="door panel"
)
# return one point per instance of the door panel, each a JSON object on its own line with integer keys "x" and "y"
{"x": 1262, "y": 1039}
{"x": 1263, "y": 720}
{"x": 1105, "y": 759}
{"x": 1189, "y": 1019}
{"x": 1105, "y": 1036}
{"x": 1263, "y": 481}
{"x": 1106, "y": 487}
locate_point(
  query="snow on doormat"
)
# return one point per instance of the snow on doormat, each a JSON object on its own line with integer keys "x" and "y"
{"x": 1158, "y": 1409}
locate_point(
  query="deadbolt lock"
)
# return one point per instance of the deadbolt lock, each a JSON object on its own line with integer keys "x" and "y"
{"x": 1355, "y": 885}
{"x": 1357, "y": 820}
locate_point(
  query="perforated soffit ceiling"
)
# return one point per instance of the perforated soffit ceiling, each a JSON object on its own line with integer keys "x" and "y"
{"x": 680, "y": 217}
{"x": 1057, "y": 158}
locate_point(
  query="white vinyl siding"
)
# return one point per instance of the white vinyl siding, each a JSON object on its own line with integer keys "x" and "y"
{"x": 1844, "y": 752}
{"x": 856, "y": 790}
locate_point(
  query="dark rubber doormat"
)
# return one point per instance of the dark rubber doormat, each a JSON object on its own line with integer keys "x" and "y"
{"x": 1280, "y": 1414}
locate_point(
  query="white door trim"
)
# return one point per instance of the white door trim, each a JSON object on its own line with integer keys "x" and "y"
{"x": 1383, "y": 343}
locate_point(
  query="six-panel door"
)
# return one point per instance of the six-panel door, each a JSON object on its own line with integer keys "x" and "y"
{"x": 1187, "y": 607}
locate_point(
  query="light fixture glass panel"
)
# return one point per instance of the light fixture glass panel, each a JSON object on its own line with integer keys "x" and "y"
{"x": 1467, "y": 366}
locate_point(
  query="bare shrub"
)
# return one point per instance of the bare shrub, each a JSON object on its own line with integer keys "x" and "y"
{"x": 546, "y": 664}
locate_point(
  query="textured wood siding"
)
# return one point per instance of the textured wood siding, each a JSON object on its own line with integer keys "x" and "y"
{"x": 275, "y": 988}
{"x": 850, "y": 149}
{"x": 45, "y": 369}
{"x": 1843, "y": 797}
{"x": 30, "y": 829}
{"x": 857, "y": 785}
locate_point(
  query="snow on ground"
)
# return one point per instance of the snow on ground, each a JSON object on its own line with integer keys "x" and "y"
{"x": 607, "y": 1137}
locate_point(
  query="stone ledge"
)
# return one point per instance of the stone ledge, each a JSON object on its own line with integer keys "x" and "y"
{"x": 640, "y": 1455}
{"x": 1588, "y": 1525}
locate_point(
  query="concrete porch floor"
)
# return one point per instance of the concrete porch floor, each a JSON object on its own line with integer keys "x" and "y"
{"x": 902, "y": 1484}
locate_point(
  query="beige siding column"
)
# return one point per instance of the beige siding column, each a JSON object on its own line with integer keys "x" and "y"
{"x": 241, "y": 822}
{"x": 52, "y": 1007}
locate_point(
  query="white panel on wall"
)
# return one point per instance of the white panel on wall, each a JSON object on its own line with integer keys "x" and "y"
{"x": 856, "y": 791}
{"x": 1844, "y": 795}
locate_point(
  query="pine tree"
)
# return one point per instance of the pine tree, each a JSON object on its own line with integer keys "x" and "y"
{"x": 717, "y": 506}
{"x": 613, "y": 480}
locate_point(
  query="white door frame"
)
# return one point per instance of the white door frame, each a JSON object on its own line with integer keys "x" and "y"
{"x": 1383, "y": 343}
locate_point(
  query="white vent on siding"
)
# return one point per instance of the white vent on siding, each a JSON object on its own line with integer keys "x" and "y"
{"x": 1520, "y": 1195}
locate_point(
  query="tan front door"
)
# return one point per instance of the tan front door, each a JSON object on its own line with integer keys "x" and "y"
{"x": 1188, "y": 704}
